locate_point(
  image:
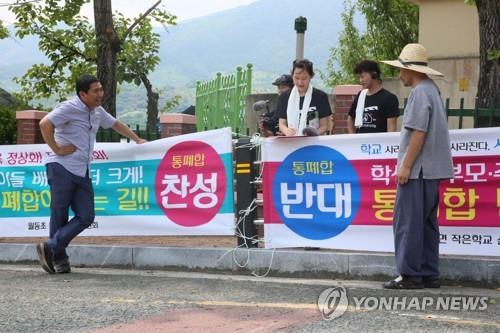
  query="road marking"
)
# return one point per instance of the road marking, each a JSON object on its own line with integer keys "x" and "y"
{"x": 453, "y": 320}
{"x": 118, "y": 300}
{"x": 300, "y": 306}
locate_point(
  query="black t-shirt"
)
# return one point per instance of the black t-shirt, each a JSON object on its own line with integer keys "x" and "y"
{"x": 378, "y": 108}
{"x": 318, "y": 108}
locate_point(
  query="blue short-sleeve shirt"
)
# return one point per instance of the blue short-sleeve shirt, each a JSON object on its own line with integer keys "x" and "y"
{"x": 75, "y": 124}
{"x": 425, "y": 112}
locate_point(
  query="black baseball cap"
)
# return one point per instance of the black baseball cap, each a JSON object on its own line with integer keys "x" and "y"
{"x": 285, "y": 79}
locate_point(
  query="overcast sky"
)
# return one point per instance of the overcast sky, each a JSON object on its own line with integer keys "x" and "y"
{"x": 184, "y": 9}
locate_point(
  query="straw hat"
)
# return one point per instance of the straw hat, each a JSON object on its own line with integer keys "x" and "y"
{"x": 414, "y": 58}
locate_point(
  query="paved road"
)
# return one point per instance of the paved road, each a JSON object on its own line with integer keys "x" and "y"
{"x": 117, "y": 300}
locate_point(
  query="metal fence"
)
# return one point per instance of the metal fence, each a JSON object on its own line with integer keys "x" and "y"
{"x": 481, "y": 117}
{"x": 109, "y": 135}
{"x": 478, "y": 117}
{"x": 221, "y": 102}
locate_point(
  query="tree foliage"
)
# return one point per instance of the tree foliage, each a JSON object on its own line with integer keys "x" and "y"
{"x": 8, "y": 125}
{"x": 65, "y": 37}
{"x": 171, "y": 104}
{"x": 69, "y": 42}
{"x": 488, "y": 95}
{"x": 351, "y": 49}
{"x": 4, "y": 32}
{"x": 390, "y": 25}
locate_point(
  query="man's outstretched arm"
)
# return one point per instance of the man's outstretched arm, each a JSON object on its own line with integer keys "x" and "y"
{"x": 124, "y": 130}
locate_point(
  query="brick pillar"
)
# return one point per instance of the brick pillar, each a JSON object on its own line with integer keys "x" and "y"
{"x": 28, "y": 131}
{"x": 344, "y": 95}
{"x": 173, "y": 124}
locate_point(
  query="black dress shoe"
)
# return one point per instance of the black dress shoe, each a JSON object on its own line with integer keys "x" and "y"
{"x": 45, "y": 257}
{"x": 431, "y": 282}
{"x": 402, "y": 283}
{"x": 62, "y": 267}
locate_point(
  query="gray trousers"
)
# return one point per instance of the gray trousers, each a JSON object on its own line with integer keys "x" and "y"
{"x": 416, "y": 231}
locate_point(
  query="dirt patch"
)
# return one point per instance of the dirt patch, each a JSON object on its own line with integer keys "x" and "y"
{"x": 175, "y": 241}
{"x": 219, "y": 320}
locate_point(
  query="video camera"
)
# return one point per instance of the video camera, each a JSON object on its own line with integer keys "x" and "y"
{"x": 268, "y": 118}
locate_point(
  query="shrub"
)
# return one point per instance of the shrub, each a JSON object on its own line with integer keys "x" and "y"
{"x": 8, "y": 125}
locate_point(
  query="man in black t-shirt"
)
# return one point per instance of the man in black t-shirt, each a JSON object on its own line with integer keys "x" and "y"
{"x": 381, "y": 108}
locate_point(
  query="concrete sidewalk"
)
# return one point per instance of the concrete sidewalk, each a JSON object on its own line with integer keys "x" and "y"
{"x": 284, "y": 262}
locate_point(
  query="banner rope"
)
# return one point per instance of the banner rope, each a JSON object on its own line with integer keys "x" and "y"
{"x": 255, "y": 143}
{"x": 242, "y": 215}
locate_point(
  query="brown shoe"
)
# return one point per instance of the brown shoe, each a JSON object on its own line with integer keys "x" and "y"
{"x": 45, "y": 257}
{"x": 402, "y": 283}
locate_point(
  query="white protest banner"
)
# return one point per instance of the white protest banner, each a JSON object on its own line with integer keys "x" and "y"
{"x": 175, "y": 186}
{"x": 338, "y": 192}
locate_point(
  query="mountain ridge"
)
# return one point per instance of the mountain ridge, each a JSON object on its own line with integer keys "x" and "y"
{"x": 261, "y": 33}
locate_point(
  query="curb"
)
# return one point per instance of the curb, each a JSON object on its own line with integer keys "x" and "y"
{"x": 313, "y": 264}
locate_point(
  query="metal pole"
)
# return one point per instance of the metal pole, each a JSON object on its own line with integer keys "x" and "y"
{"x": 300, "y": 28}
{"x": 299, "y": 53}
{"x": 245, "y": 191}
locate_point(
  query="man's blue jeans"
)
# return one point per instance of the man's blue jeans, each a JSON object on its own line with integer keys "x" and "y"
{"x": 68, "y": 190}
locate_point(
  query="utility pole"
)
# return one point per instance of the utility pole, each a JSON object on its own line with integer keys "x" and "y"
{"x": 300, "y": 27}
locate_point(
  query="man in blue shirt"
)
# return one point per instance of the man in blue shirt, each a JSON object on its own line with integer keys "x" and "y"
{"x": 70, "y": 131}
{"x": 424, "y": 160}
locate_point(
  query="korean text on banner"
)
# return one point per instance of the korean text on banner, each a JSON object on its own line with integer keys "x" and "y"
{"x": 339, "y": 191}
{"x": 174, "y": 186}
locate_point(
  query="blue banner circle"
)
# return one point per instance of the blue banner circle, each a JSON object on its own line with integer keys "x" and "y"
{"x": 316, "y": 192}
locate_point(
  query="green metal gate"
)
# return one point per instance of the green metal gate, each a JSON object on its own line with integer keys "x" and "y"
{"x": 221, "y": 102}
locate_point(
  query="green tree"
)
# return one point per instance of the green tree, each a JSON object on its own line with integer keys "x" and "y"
{"x": 8, "y": 125}
{"x": 134, "y": 66}
{"x": 351, "y": 49}
{"x": 66, "y": 39}
{"x": 4, "y": 32}
{"x": 108, "y": 46}
{"x": 171, "y": 104}
{"x": 125, "y": 51}
{"x": 390, "y": 25}
{"x": 488, "y": 93}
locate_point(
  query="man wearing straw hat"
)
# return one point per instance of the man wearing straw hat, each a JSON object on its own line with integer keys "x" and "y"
{"x": 424, "y": 159}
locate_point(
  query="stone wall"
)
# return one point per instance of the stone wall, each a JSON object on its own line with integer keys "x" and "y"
{"x": 28, "y": 131}
{"x": 173, "y": 124}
